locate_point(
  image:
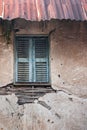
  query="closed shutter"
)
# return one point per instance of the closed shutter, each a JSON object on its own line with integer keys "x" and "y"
{"x": 23, "y": 59}
{"x": 31, "y": 60}
{"x": 41, "y": 60}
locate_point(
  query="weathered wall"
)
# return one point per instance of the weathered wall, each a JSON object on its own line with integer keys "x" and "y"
{"x": 6, "y": 60}
{"x": 68, "y": 57}
{"x": 66, "y": 109}
{"x": 59, "y": 111}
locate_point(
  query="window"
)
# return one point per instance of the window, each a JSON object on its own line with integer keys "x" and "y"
{"x": 31, "y": 60}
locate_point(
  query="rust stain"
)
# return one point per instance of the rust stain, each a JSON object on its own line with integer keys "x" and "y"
{"x": 1, "y": 8}
{"x": 36, "y": 10}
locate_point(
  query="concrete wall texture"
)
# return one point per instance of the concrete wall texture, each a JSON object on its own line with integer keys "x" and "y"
{"x": 68, "y": 71}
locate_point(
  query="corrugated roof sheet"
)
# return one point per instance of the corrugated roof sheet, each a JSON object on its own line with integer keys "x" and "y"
{"x": 1, "y": 8}
{"x": 36, "y": 10}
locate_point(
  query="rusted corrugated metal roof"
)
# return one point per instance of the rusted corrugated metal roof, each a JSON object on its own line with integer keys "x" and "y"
{"x": 1, "y": 8}
{"x": 36, "y": 10}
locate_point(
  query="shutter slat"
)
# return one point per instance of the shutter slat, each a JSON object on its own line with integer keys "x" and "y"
{"x": 23, "y": 72}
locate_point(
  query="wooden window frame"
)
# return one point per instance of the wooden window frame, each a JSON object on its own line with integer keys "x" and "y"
{"x": 32, "y": 83}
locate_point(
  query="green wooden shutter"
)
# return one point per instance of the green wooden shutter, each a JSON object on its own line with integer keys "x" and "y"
{"x": 41, "y": 60}
{"x": 22, "y": 59}
{"x": 32, "y": 60}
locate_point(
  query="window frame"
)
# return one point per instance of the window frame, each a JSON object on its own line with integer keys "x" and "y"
{"x": 31, "y": 83}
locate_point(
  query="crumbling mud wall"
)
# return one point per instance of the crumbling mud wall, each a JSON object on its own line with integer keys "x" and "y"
{"x": 66, "y": 108}
{"x": 68, "y": 57}
{"x": 6, "y": 59}
{"x": 50, "y": 112}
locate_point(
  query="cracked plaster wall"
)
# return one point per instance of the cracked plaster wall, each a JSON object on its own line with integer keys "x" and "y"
{"x": 67, "y": 112}
{"x": 68, "y": 57}
{"x": 64, "y": 110}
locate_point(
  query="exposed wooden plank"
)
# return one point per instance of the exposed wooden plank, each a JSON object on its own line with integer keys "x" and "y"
{"x": 26, "y": 94}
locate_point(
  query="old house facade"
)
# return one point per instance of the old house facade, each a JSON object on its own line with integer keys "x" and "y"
{"x": 43, "y": 65}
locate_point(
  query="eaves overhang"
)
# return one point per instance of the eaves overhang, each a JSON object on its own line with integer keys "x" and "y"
{"x": 37, "y": 10}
